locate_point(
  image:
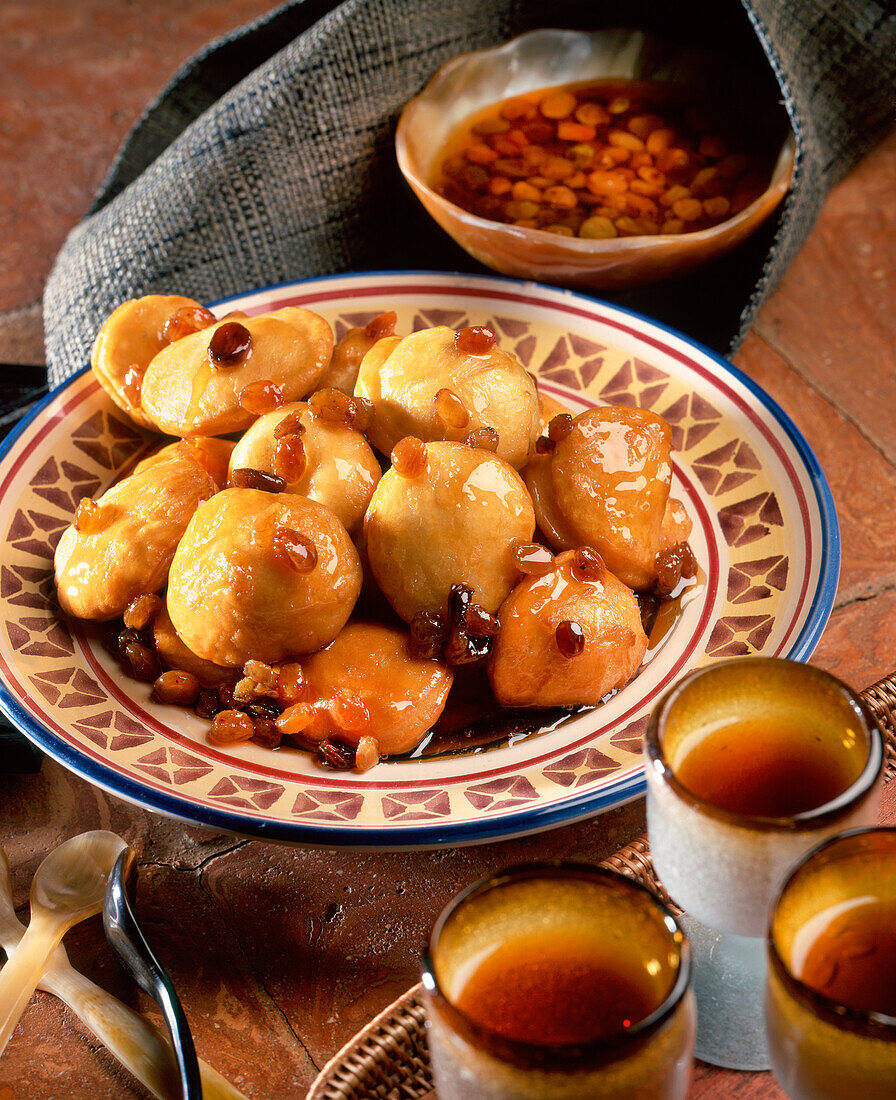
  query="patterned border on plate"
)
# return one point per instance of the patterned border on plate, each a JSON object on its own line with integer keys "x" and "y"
{"x": 763, "y": 518}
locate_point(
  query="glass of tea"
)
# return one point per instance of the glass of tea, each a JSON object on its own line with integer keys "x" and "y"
{"x": 831, "y": 993}
{"x": 749, "y": 763}
{"x": 559, "y": 982}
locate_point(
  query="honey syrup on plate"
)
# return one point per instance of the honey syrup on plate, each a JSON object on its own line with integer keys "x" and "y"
{"x": 560, "y": 986}
{"x": 853, "y": 961}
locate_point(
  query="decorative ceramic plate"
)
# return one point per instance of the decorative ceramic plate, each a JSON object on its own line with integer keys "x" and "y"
{"x": 765, "y": 535}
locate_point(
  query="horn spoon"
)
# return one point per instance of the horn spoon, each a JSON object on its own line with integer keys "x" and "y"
{"x": 131, "y": 1039}
{"x": 69, "y": 887}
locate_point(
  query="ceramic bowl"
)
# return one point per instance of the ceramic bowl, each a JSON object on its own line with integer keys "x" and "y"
{"x": 546, "y": 58}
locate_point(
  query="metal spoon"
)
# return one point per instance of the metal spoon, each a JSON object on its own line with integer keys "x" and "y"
{"x": 134, "y": 1042}
{"x": 135, "y": 955}
{"x": 69, "y": 887}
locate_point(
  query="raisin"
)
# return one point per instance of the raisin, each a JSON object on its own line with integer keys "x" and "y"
{"x": 409, "y": 456}
{"x": 257, "y": 479}
{"x": 588, "y": 565}
{"x": 481, "y": 623}
{"x": 428, "y": 632}
{"x": 260, "y": 397}
{"x": 459, "y": 599}
{"x": 229, "y": 345}
{"x": 294, "y": 550}
{"x": 560, "y": 427}
{"x": 533, "y": 559}
{"x": 544, "y": 445}
{"x": 462, "y": 648}
{"x": 207, "y": 705}
{"x": 450, "y": 409}
{"x": 484, "y": 439}
{"x": 142, "y": 662}
{"x": 290, "y": 460}
{"x": 230, "y": 727}
{"x": 333, "y": 407}
{"x": 266, "y": 733}
{"x": 475, "y": 340}
{"x": 570, "y": 638}
{"x": 86, "y": 519}
{"x": 141, "y": 611}
{"x": 176, "y": 687}
{"x": 185, "y": 321}
{"x": 290, "y": 425}
{"x": 382, "y": 325}
{"x": 334, "y": 755}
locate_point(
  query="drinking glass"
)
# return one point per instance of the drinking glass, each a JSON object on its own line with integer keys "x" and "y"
{"x": 772, "y": 734}
{"x": 831, "y": 993}
{"x": 528, "y": 980}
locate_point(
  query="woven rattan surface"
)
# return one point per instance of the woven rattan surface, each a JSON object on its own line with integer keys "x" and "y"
{"x": 388, "y": 1059}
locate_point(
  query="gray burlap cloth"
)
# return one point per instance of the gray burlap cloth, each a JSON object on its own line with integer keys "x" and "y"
{"x": 269, "y": 156}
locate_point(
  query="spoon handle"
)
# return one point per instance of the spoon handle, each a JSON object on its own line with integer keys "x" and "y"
{"x": 23, "y": 970}
{"x": 133, "y": 1041}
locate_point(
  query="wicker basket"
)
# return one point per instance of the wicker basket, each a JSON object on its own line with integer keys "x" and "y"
{"x": 388, "y": 1060}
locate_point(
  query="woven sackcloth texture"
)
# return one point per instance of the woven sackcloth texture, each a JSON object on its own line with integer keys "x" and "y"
{"x": 269, "y": 156}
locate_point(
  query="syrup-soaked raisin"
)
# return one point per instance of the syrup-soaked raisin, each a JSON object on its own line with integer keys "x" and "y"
{"x": 484, "y": 439}
{"x": 367, "y": 754}
{"x": 409, "y": 456}
{"x": 333, "y": 754}
{"x": 263, "y": 708}
{"x": 290, "y": 425}
{"x": 533, "y": 559}
{"x": 588, "y": 565}
{"x": 207, "y": 705}
{"x": 544, "y": 445}
{"x": 382, "y": 325}
{"x": 230, "y": 727}
{"x": 560, "y": 427}
{"x": 333, "y": 407}
{"x": 462, "y": 648}
{"x": 266, "y": 733}
{"x": 428, "y": 633}
{"x": 176, "y": 687}
{"x": 141, "y": 611}
{"x": 474, "y": 340}
{"x": 229, "y": 345}
{"x": 459, "y": 599}
{"x": 290, "y": 460}
{"x": 185, "y": 321}
{"x": 450, "y": 409}
{"x": 671, "y": 565}
{"x": 247, "y": 478}
{"x": 142, "y": 661}
{"x": 260, "y": 397}
{"x": 364, "y": 414}
{"x": 570, "y": 638}
{"x": 481, "y": 623}
{"x": 294, "y": 550}
{"x": 86, "y": 519}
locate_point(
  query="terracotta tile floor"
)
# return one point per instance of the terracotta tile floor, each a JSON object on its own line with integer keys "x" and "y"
{"x": 282, "y": 954}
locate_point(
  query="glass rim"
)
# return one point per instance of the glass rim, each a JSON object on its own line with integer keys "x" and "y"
{"x": 533, "y": 1055}
{"x": 829, "y": 1009}
{"x": 817, "y": 817}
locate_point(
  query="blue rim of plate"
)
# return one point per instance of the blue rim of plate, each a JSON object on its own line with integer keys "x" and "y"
{"x": 525, "y": 822}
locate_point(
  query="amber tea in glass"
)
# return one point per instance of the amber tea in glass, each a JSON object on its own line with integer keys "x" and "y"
{"x": 558, "y": 981}
{"x": 749, "y": 764}
{"x": 831, "y": 993}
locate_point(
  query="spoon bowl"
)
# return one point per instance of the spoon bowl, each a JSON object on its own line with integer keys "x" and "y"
{"x": 71, "y": 881}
